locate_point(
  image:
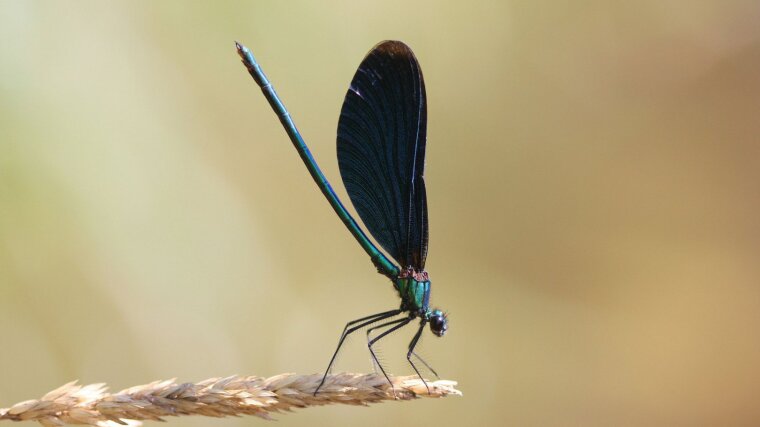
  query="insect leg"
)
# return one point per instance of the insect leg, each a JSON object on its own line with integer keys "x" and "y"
{"x": 349, "y": 329}
{"x": 413, "y": 344}
{"x": 426, "y": 364}
{"x": 401, "y": 324}
{"x": 383, "y": 325}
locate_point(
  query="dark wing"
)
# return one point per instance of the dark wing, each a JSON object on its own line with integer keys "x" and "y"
{"x": 381, "y": 150}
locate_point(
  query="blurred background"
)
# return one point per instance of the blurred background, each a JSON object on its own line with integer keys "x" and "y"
{"x": 593, "y": 188}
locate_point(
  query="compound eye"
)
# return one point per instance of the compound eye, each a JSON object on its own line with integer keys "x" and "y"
{"x": 438, "y": 325}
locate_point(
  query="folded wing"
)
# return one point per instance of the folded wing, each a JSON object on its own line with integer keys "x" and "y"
{"x": 381, "y": 151}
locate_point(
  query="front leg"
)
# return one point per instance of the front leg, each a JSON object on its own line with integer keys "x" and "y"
{"x": 413, "y": 344}
{"x": 430, "y": 368}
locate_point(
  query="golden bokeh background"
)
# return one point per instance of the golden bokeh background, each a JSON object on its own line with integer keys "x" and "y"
{"x": 593, "y": 181}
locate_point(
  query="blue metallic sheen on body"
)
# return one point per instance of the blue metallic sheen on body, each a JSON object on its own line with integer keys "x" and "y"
{"x": 415, "y": 295}
{"x": 383, "y": 264}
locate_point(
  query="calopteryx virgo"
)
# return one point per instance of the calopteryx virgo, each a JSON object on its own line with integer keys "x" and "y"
{"x": 381, "y": 154}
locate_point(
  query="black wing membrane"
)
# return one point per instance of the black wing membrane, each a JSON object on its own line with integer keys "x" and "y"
{"x": 381, "y": 150}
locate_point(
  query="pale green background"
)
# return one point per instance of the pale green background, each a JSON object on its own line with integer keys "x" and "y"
{"x": 593, "y": 186}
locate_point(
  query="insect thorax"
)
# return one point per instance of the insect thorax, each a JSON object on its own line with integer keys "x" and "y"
{"x": 414, "y": 289}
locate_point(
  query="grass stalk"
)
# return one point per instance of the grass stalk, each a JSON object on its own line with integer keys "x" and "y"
{"x": 215, "y": 397}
